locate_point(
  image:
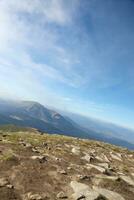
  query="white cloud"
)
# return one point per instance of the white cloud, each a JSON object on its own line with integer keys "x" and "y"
{"x": 26, "y": 25}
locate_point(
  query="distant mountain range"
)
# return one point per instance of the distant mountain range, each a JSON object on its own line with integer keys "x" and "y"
{"x": 102, "y": 127}
{"x": 33, "y": 114}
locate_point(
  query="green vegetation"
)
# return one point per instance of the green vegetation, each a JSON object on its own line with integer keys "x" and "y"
{"x": 13, "y": 128}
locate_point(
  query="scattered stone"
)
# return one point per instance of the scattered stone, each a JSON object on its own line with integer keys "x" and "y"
{"x": 128, "y": 180}
{"x": 42, "y": 159}
{"x": 105, "y": 158}
{"x": 116, "y": 157}
{"x": 87, "y": 157}
{"x": 61, "y": 195}
{"x": 130, "y": 156}
{"x": 35, "y": 150}
{"x": 62, "y": 172}
{"x": 99, "y": 158}
{"x": 105, "y": 165}
{"x": 45, "y": 144}
{"x": 3, "y": 182}
{"x": 119, "y": 155}
{"x": 110, "y": 195}
{"x": 28, "y": 145}
{"x": 69, "y": 168}
{"x": 101, "y": 176}
{"x": 58, "y": 159}
{"x": 108, "y": 172}
{"x": 31, "y": 196}
{"x": 51, "y": 180}
{"x": 120, "y": 173}
{"x": 100, "y": 169}
{"x": 10, "y": 186}
{"x": 83, "y": 177}
{"x": 82, "y": 191}
{"x": 76, "y": 150}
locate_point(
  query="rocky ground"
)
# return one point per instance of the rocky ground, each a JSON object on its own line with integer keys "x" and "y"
{"x": 40, "y": 167}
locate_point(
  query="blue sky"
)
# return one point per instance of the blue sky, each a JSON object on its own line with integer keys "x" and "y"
{"x": 74, "y": 55}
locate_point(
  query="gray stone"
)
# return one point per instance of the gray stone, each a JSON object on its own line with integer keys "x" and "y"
{"x": 83, "y": 191}
{"x": 62, "y": 172}
{"x": 101, "y": 176}
{"x": 61, "y": 195}
{"x": 31, "y": 196}
{"x": 3, "y": 182}
{"x": 116, "y": 157}
{"x": 87, "y": 157}
{"x": 128, "y": 180}
{"x": 100, "y": 169}
{"x": 76, "y": 150}
{"x": 110, "y": 195}
{"x": 42, "y": 159}
{"x": 105, "y": 165}
{"x": 10, "y": 186}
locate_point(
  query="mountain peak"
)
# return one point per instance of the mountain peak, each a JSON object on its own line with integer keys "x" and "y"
{"x": 33, "y": 114}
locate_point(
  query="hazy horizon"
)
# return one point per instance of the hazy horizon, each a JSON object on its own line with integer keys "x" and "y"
{"x": 75, "y": 56}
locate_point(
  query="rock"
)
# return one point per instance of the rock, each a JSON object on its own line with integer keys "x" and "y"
{"x": 22, "y": 143}
{"x": 31, "y": 196}
{"x": 82, "y": 191}
{"x": 130, "y": 156}
{"x": 28, "y": 145}
{"x": 45, "y": 144}
{"x": 116, "y": 157}
{"x": 119, "y": 155}
{"x": 99, "y": 158}
{"x": 100, "y": 169}
{"x": 120, "y": 173}
{"x": 10, "y": 186}
{"x": 108, "y": 172}
{"x": 61, "y": 195}
{"x": 35, "y": 150}
{"x": 105, "y": 158}
{"x": 76, "y": 150}
{"x": 105, "y": 165}
{"x": 101, "y": 176}
{"x": 87, "y": 157}
{"x": 40, "y": 158}
{"x": 128, "y": 180}
{"x": 85, "y": 177}
{"x": 3, "y": 182}
{"x": 58, "y": 159}
{"x": 102, "y": 158}
{"x": 62, "y": 172}
{"x": 110, "y": 195}
{"x": 36, "y": 157}
{"x": 69, "y": 168}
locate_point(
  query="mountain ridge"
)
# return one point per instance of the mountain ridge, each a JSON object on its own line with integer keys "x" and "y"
{"x": 34, "y": 114}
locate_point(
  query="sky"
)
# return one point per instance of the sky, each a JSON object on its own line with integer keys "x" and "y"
{"x": 74, "y": 55}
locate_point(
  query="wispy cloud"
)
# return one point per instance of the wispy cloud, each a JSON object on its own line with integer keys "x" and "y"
{"x": 31, "y": 29}
{"x": 58, "y": 51}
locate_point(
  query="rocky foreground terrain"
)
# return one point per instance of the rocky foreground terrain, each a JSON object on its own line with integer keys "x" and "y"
{"x": 35, "y": 166}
